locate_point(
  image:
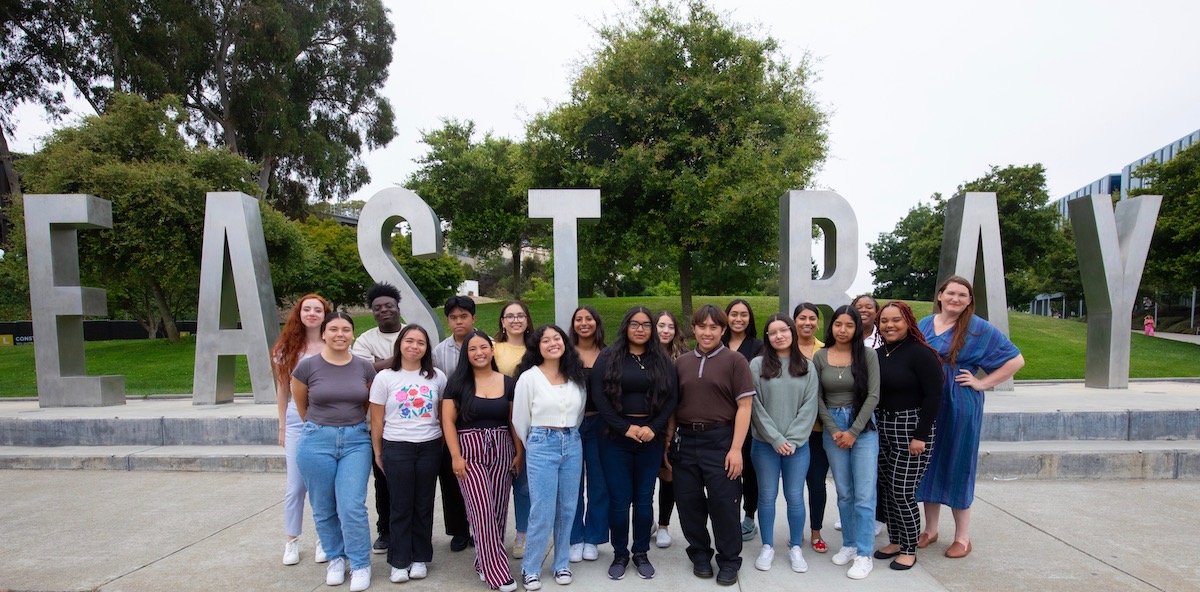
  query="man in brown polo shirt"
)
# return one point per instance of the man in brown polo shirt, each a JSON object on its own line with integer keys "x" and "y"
{"x": 711, "y": 421}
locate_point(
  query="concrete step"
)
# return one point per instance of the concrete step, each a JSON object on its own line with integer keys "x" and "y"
{"x": 999, "y": 461}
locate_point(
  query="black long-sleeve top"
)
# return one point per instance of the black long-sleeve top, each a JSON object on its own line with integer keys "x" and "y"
{"x": 910, "y": 377}
{"x": 635, "y": 396}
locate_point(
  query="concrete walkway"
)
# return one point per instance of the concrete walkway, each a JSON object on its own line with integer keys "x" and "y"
{"x": 131, "y": 531}
{"x": 1175, "y": 336}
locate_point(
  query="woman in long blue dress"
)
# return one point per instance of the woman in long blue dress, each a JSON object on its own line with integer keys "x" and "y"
{"x": 967, "y": 345}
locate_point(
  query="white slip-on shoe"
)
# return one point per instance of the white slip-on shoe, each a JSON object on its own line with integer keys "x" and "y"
{"x": 319, "y": 553}
{"x": 399, "y": 575}
{"x": 590, "y": 552}
{"x": 417, "y": 570}
{"x": 662, "y": 539}
{"x": 861, "y": 568}
{"x": 765, "y": 557}
{"x": 360, "y": 579}
{"x": 796, "y": 554}
{"x": 845, "y": 555}
{"x": 576, "y": 553}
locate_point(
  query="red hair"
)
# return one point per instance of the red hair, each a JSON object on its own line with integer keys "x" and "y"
{"x": 910, "y": 319}
{"x": 292, "y": 340}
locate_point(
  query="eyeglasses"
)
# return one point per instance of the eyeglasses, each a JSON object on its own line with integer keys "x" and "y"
{"x": 515, "y": 317}
{"x": 642, "y": 326}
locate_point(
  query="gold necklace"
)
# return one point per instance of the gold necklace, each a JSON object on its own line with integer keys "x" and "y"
{"x": 638, "y": 359}
{"x": 887, "y": 353}
{"x": 841, "y": 371}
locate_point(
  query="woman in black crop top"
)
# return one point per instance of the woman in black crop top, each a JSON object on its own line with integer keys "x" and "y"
{"x": 910, "y": 393}
{"x": 635, "y": 388}
{"x": 740, "y": 337}
{"x": 485, "y": 453}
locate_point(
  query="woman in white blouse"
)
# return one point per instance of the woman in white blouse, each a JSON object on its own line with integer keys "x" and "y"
{"x": 547, "y": 411}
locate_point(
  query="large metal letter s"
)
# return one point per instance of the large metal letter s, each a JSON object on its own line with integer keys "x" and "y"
{"x": 235, "y": 280}
{"x": 376, "y": 223}
{"x": 60, "y": 303}
{"x": 1112, "y": 251}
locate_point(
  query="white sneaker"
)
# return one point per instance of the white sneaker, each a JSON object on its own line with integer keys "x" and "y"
{"x": 291, "y": 552}
{"x": 576, "y": 553}
{"x": 879, "y": 527}
{"x": 319, "y": 553}
{"x": 662, "y": 539}
{"x": 590, "y": 552}
{"x": 360, "y": 579}
{"x": 861, "y": 568}
{"x": 763, "y": 563}
{"x": 563, "y": 577}
{"x": 399, "y": 575}
{"x": 532, "y": 582}
{"x": 837, "y": 525}
{"x": 417, "y": 570}
{"x": 845, "y": 555}
{"x": 335, "y": 572}
{"x": 796, "y": 554}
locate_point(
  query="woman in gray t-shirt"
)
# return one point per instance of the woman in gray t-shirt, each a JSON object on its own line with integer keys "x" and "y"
{"x": 334, "y": 453}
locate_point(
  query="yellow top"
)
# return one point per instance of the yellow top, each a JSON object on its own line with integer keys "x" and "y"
{"x": 816, "y": 348}
{"x": 508, "y": 356}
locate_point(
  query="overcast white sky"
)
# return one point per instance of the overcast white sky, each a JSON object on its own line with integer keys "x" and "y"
{"x": 922, "y": 95}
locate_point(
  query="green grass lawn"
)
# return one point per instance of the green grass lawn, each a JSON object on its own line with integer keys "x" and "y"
{"x": 1053, "y": 348}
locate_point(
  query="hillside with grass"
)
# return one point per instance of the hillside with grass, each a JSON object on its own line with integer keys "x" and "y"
{"x": 1053, "y": 348}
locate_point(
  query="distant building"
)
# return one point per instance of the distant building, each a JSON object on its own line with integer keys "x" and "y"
{"x": 1126, "y": 181}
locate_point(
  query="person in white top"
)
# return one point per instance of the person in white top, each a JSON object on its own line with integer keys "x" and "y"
{"x": 376, "y": 345}
{"x": 300, "y": 339}
{"x": 547, "y": 411}
{"x": 868, "y": 311}
{"x": 407, "y": 437}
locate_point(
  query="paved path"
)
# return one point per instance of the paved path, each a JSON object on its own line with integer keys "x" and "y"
{"x": 1175, "y": 336}
{"x": 130, "y": 531}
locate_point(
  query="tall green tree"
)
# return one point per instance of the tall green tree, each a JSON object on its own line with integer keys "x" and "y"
{"x": 692, "y": 126}
{"x": 293, "y": 86}
{"x": 475, "y": 184}
{"x": 136, "y": 157}
{"x": 1173, "y": 264}
{"x": 897, "y": 275}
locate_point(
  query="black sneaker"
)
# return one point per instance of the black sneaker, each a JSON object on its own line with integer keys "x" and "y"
{"x": 459, "y": 542}
{"x": 727, "y": 576}
{"x": 616, "y": 571}
{"x": 381, "y": 544}
{"x": 702, "y": 570}
{"x": 644, "y": 569}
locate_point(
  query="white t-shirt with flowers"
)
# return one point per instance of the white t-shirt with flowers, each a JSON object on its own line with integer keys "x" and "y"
{"x": 410, "y": 402}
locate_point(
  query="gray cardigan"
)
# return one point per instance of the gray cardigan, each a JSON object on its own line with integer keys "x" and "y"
{"x": 786, "y": 406}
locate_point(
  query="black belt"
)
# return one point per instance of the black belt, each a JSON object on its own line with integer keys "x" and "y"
{"x": 704, "y": 427}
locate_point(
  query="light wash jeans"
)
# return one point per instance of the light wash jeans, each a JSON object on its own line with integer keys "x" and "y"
{"x": 335, "y": 463}
{"x": 855, "y": 472}
{"x": 554, "y": 460}
{"x": 591, "y": 517}
{"x": 770, "y": 466}
{"x": 293, "y": 497}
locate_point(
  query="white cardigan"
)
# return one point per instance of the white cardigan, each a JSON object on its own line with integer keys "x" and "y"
{"x": 539, "y": 403}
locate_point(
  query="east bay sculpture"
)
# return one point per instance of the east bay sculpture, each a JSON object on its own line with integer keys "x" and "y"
{"x": 235, "y": 277}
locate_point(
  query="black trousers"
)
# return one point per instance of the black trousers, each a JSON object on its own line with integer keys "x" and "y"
{"x": 454, "y": 509}
{"x": 818, "y": 468}
{"x": 704, "y": 492}
{"x": 749, "y": 481}
{"x": 411, "y": 469}
{"x": 383, "y": 501}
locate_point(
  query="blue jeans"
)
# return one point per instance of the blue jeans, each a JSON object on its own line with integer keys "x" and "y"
{"x": 854, "y": 474}
{"x": 520, "y": 500}
{"x": 335, "y": 463}
{"x": 770, "y": 465}
{"x": 630, "y": 469}
{"x": 554, "y": 460}
{"x": 591, "y": 519}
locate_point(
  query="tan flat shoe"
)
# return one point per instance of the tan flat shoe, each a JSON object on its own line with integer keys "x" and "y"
{"x": 925, "y": 540}
{"x": 958, "y": 550}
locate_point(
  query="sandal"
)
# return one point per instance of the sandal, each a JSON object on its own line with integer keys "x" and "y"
{"x": 819, "y": 546}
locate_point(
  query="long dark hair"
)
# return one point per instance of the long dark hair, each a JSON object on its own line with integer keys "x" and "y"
{"x": 569, "y": 364}
{"x": 460, "y": 386}
{"x": 574, "y": 339}
{"x": 772, "y": 366}
{"x": 858, "y": 356}
{"x": 502, "y": 335}
{"x": 751, "y": 329}
{"x": 426, "y": 358}
{"x": 658, "y": 366}
{"x": 959, "y": 338}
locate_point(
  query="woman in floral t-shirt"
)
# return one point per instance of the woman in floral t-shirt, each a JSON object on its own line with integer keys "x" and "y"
{"x": 407, "y": 437}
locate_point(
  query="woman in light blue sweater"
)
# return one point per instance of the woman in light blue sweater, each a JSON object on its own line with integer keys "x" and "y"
{"x": 784, "y": 412}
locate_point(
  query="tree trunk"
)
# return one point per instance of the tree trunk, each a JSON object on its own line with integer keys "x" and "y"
{"x": 516, "y": 270}
{"x": 685, "y": 292}
{"x": 264, "y": 175}
{"x": 164, "y": 312}
{"x": 13, "y": 187}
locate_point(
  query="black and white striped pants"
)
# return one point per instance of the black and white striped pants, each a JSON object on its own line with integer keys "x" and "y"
{"x": 899, "y": 474}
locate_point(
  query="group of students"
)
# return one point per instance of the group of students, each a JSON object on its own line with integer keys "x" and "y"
{"x": 576, "y": 432}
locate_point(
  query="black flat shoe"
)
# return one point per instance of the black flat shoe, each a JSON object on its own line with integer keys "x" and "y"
{"x": 881, "y": 555}
{"x": 702, "y": 570}
{"x": 459, "y": 542}
{"x": 728, "y": 576}
{"x": 896, "y": 565}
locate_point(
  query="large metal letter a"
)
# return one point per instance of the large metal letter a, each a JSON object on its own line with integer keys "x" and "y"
{"x": 60, "y": 303}
{"x": 971, "y": 249}
{"x": 1112, "y": 251}
{"x": 235, "y": 280}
